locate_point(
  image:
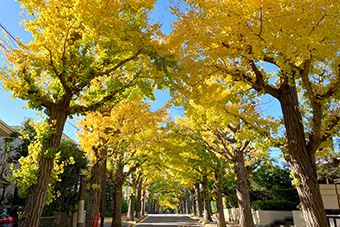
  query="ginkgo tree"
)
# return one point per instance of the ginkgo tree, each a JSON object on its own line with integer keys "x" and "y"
{"x": 77, "y": 48}
{"x": 285, "y": 49}
{"x": 237, "y": 133}
{"x": 190, "y": 162}
{"x": 122, "y": 135}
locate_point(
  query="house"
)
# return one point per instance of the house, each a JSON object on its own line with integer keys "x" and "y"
{"x": 5, "y": 130}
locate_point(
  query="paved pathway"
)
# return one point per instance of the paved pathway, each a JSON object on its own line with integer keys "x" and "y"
{"x": 164, "y": 220}
{"x": 168, "y": 220}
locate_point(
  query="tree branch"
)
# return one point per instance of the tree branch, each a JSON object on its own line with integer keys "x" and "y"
{"x": 111, "y": 96}
{"x": 134, "y": 168}
{"x": 34, "y": 90}
{"x": 244, "y": 146}
{"x": 260, "y": 85}
{"x": 314, "y": 141}
{"x": 333, "y": 87}
{"x": 330, "y": 127}
{"x": 317, "y": 24}
{"x": 107, "y": 72}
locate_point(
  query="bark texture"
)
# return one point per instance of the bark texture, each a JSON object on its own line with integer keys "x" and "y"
{"x": 206, "y": 200}
{"x": 219, "y": 203}
{"x": 187, "y": 199}
{"x": 117, "y": 207}
{"x": 103, "y": 208}
{"x": 131, "y": 211}
{"x": 246, "y": 218}
{"x": 301, "y": 159}
{"x": 139, "y": 197}
{"x": 198, "y": 201}
{"x": 193, "y": 203}
{"x": 36, "y": 197}
{"x": 96, "y": 181}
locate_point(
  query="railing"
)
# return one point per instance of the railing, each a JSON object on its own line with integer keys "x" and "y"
{"x": 333, "y": 220}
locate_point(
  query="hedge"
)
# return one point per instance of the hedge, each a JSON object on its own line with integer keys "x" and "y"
{"x": 289, "y": 196}
{"x": 286, "y": 194}
{"x": 261, "y": 195}
{"x": 273, "y": 205}
{"x": 230, "y": 201}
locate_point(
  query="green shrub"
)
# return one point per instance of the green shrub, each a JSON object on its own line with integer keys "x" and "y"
{"x": 213, "y": 206}
{"x": 230, "y": 201}
{"x": 286, "y": 194}
{"x": 273, "y": 205}
{"x": 125, "y": 206}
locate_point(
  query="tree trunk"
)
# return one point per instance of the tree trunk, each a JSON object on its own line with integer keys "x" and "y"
{"x": 206, "y": 200}
{"x": 193, "y": 202}
{"x": 187, "y": 207}
{"x": 198, "y": 200}
{"x": 246, "y": 217}
{"x": 97, "y": 176}
{"x": 219, "y": 203}
{"x": 149, "y": 206}
{"x": 183, "y": 206}
{"x": 154, "y": 206}
{"x": 36, "y": 197}
{"x": 117, "y": 207}
{"x": 301, "y": 160}
{"x": 139, "y": 197}
{"x": 131, "y": 211}
{"x": 104, "y": 199}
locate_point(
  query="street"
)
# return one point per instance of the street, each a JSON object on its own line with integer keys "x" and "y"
{"x": 169, "y": 220}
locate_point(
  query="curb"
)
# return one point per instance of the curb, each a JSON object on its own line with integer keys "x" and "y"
{"x": 199, "y": 220}
{"x": 140, "y": 220}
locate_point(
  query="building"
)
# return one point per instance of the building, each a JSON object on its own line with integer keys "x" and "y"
{"x": 5, "y": 130}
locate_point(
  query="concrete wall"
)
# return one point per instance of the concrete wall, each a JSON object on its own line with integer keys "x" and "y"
{"x": 299, "y": 221}
{"x": 267, "y": 217}
{"x": 232, "y": 215}
{"x": 329, "y": 196}
{"x": 261, "y": 217}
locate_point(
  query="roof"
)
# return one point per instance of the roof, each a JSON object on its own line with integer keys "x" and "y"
{"x": 5, "y": 130}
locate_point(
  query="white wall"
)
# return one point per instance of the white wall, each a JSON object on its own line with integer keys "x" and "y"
{"x": 329, "y": 196}
{"x": 261, "y": 217}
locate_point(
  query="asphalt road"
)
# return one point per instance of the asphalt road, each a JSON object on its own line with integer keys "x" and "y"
{"x": 168, "y": 220}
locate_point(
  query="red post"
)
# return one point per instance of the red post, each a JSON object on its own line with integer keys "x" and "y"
{"x": 96, "y": 220}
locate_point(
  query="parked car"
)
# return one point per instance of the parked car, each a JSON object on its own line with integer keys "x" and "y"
{"x": 6, "y": 220}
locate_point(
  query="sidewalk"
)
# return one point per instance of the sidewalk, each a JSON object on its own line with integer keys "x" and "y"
{"x": 213, "y": 223}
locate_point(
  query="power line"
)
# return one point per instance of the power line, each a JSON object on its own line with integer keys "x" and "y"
{"x": 12, "y": 37}
{"x": 73, "y": 125}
